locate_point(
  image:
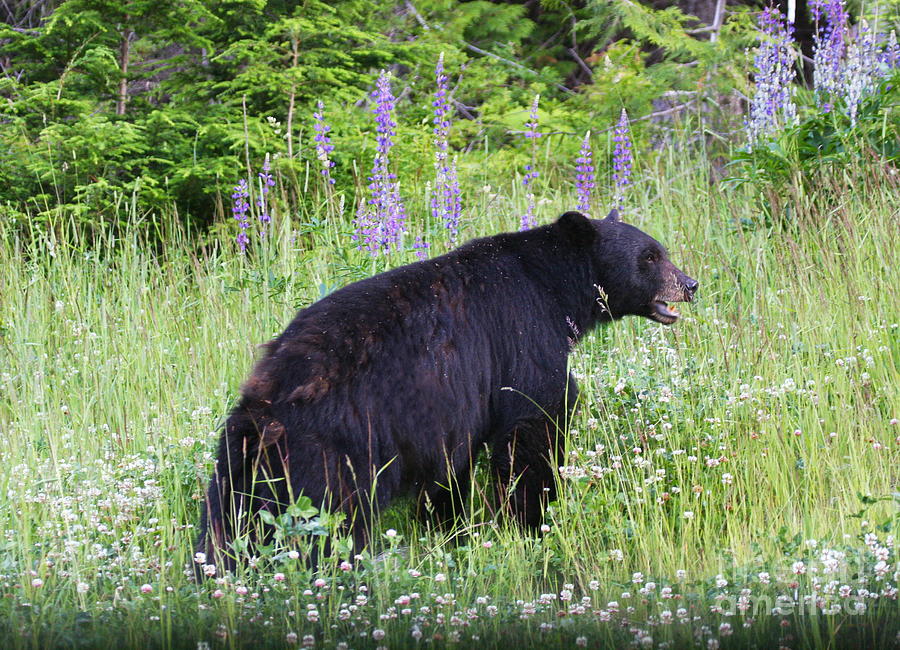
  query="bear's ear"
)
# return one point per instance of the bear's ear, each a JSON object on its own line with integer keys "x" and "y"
{"x": 613, "y": 215}
{"x": 577, "y": 228}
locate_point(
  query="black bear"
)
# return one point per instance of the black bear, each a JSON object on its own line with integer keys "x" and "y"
{"x": 391, "y": 385}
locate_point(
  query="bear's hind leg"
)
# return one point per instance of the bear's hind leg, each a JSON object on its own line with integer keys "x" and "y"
{"x": 444, "y": 501}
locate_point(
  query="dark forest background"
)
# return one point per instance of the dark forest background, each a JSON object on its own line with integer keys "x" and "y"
{"x": 165, "y": 103}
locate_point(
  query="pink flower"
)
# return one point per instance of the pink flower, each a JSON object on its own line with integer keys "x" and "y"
{"x": 146, "y": 589}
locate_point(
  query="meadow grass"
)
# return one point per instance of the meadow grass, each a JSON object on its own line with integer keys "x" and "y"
{"x": 749, "y": 452}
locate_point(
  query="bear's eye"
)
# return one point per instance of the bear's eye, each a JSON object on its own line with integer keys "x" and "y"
{"x": 649, "y": 256}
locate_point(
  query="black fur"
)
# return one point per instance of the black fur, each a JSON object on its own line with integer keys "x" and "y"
{"x": 402, "y": 376}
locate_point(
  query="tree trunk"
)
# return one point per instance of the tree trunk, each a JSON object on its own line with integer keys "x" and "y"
{"x": 295, "y": 57}
{"x": 123, "y": 71}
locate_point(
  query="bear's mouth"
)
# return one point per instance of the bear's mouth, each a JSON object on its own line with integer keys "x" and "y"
{"x": 662, "y": 313}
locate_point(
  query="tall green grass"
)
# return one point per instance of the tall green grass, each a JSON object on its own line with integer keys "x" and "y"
{"x": 755, "y": 433}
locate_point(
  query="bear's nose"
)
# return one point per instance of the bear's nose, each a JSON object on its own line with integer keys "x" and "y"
{"x": 690, "y": 287}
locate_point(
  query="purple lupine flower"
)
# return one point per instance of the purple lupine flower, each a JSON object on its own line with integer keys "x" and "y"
{"x": 323, "y": 142}
{"x": 869, "y": 58}
{"x": 529, "y": 220}
{"x": 772, "y": 106}
{"x": 829, "y": 46}
{"x": 622, "y": 160}
{"x": 441, "y": 109}
{"x": 861, "y": 71}
{"x": 584, "y": 180}
{"x": 265, "y": 182}
{"x": 381, "y": 223}
{"x": 421, "y": 247}
{"x": 239, "y": 211}
{"x": 453, "y": 199}
{"x": 445, "y": 197}
{"x": 889, "y": 58}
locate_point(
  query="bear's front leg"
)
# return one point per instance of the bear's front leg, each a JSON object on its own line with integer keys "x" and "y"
{"x": 525, "y": 460}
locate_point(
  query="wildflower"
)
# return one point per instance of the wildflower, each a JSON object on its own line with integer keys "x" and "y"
{"x": 545, "y": 528}
{"x": 445, "y": 198}
{"x": 528, "y": 219}
{"x": 382, "y": 221}
{"x": 200, "y": 558}
{"x": 345, "y": 566}
{"x": 319, "y": 583}
{"x": 239, "y": 210}
{"x": 390, "y": 533}
{"x": 890, "y": 54}
{"x": 829, "y": 46}
{"x": 721, "y": 582}
{"x": 82, "y": 587}
{"x": 764, "y": 577}
{"x": 378, "y": 634}
{"x": 278, "y": 577}
{"x": 861, "y": 70}
{"x": 37, "y": 583}
{"x": 584, "y": 180}
{"x": 241, "y": 590}
{"x": 581, "y": 641}
{"x": 688, "y": 514}
{"x": 218, "y": 593}
{"x": 146, "y": 589}
{"x": 622, "y": 160}
{"x": 487, "y": 544}
{"x": 421, "y": 246}
{"x": 265, "y": 182}
{"x": 772, "y": 106}
{"x": 323, "y": 143}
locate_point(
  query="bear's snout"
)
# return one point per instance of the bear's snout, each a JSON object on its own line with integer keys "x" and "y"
{"x": 690, "y": 286}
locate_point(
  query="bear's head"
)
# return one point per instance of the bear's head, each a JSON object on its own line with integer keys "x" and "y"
{"x": 632, "y": 270}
